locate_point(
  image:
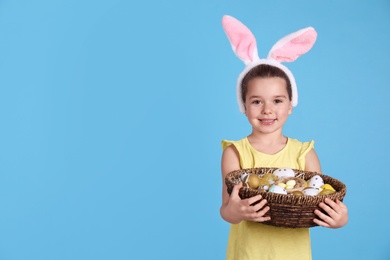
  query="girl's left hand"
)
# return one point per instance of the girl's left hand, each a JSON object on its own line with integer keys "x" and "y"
{"x": 336, "y": 217}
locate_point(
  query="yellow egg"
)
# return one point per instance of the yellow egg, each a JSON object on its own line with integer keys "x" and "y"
{"x": 281, "y": 184}
{"x": 291, "y": 183}
{"x": 253, "y": 181}
{"x": 326, "y": 192}
{"x": 328, "y": 187}
{"x": 297, "y": 193}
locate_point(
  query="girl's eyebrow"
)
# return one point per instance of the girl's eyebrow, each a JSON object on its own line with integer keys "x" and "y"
{"x": 280, "y": 96}
{"x": 277, "y": 96}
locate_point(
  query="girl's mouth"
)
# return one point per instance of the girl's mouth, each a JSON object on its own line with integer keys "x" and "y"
{"x": 267, "y": 121}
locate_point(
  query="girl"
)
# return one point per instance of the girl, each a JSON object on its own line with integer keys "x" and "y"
{"x": 266, "y": 93}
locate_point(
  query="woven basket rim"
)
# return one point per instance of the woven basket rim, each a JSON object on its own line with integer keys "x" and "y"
{"x": 287, "y": 210}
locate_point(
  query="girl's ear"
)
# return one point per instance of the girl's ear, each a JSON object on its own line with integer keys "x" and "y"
{"x": 292, "y": 46}
{"x": 242, "y": 40}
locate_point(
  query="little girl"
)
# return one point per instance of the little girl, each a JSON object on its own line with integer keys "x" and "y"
{"x": 267, "y": 92}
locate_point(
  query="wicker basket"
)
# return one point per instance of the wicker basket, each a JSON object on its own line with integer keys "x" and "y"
{"x": 287, "y": 211}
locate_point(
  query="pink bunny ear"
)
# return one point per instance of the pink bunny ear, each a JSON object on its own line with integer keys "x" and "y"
{"x": 290, "y": 47}
{"x": 241, "y": 38}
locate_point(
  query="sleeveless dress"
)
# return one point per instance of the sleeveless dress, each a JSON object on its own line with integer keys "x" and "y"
{"x": 251, "y": 240}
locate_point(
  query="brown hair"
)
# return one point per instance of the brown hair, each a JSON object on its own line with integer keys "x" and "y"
{"x": 264, "y": 71}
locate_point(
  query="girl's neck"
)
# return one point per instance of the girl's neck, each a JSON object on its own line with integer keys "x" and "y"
{"x": 268, "y": 143}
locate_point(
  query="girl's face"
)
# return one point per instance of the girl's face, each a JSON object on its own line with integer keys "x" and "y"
{"x": 267, "y": 104}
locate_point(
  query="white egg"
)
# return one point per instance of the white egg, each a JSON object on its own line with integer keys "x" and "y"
{"x": 315, "y": 182}
{"x": 310, "y": 191}
{"x": 277, "y": 189}
{"x": 243, "y": 176}
{"x": 284, "y": 173}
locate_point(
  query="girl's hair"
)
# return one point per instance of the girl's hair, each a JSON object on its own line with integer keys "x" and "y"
{"x": 264, "y": 71}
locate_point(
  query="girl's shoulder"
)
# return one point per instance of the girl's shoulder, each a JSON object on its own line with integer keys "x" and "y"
{"x": 239, "y": 143}
{"x": 300, "y": 144}
{"x": 298, "y": 147}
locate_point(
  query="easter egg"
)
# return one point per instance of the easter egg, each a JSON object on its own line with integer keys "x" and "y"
{"x": 291, "y": 183}
{"x": 244, "y": 176}
{"x": 297, "y": 193}
{"x": 277, "y": 189}
{"x": 315, "y": 182}
{"x": 310, "y": 191}
{"x": 328, "y": 187}
{"x": 253, "y": 181}
{"x": 326, "y": 192}
{"x": 284, "y": 173}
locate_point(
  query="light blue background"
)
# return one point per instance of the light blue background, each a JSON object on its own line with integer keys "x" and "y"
{"x": 112, "y": 113}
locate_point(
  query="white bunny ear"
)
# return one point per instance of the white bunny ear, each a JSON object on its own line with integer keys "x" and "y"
{"x": 241, "y": 38}
{"x": 290, "y": 47}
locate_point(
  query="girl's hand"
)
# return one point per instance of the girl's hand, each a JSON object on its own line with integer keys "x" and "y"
{"x": 336, "y": 217}
{"x": 244, "y": 209}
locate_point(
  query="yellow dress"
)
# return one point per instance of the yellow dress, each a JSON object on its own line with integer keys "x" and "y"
{"x": 251, "y": 240}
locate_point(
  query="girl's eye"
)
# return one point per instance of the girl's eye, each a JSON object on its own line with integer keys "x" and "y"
{"x": 278, "y": 101}
{"x": 256, "y": 102}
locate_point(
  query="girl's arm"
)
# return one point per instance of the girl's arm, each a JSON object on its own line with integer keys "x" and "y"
{"x": 312, "y": 163}
{"x": 336, "y": 212}
{"x": 233, "y": 208}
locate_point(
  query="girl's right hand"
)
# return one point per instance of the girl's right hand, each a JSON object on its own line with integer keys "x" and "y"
{"x": 251, "y": 209}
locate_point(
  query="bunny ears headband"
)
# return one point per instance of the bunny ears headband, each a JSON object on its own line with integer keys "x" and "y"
{"x": 287, "y": 49}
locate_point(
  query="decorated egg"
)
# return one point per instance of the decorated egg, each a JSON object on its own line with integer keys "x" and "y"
{"x": 297, "y": 193}
{"x": 270, "y": 177}
{"x": 244, "y": 176}
{"x": 326, "y": 192}
{"x": 315, "y": 182}
{"x": 291, "y": 183}
{"x": 277, "y": 189}
{"x": 284, "y": 173}
{"x": 328, "y": 187}
{"x": 253, "y": 181}
{"x": 310, "y": 191}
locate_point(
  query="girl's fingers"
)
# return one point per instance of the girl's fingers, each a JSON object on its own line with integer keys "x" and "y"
{"x": 331, "y": 204}
{"x": 324, "y": 217}
{"x": 261, "y": 204}
{"x": 252, "y": 209}
{"x": 253, "y": 200}
{"x": 334, "y": 215}
{"x": 325, "y": 207}
{"x": 262, "y": 219}
{"x": 236, "y": 190}
{"x": 259, "y": 216}
{"x": 321, "y": 223}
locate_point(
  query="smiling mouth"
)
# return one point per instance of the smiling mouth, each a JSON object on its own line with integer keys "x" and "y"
{"x": 267, "y": 121}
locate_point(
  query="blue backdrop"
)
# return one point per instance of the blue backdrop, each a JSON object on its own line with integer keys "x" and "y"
{"x": 112, "y": 113}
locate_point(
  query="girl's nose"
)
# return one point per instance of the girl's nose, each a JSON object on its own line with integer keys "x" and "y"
{"x": 266, "y": 109}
